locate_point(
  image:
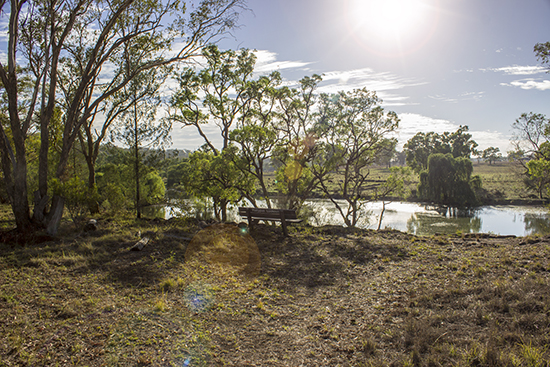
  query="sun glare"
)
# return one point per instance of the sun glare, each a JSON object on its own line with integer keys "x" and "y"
{"x": 384, "y": 25}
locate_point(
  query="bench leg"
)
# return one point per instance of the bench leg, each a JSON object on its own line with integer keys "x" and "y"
{"x": 283, "y": 223}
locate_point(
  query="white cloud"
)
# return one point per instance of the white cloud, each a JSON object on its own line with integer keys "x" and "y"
{"x": 443, "y": 98}
{"x": 267, "y": 62}
{"x": 486, "y": 139}
{"x": 380, "y": 82}
{"x": 529, "y": 84}
{"x": 518, "y": 70}
{"x": 466, "y": 96}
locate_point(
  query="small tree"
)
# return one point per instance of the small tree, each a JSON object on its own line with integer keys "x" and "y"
{"x": 491, "y": 154}
{"x": 532, "y": 138}
{"x": 214, "y": 176}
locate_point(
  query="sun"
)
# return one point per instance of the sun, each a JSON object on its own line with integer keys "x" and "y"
{"x": 382, "y": 25}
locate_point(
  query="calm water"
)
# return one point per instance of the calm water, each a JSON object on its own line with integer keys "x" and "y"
{"x": 425, "y": 220}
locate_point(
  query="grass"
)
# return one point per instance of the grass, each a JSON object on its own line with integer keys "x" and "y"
{"x": 324, "y": 296}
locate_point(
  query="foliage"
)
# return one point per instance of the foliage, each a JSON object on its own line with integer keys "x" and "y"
{"x": 115, "y": 184}
{"x": 207, "y": 175}
{"x": 542, "y": 51}
{"x": 296, "y": 147}
{"x": 257, "y": 136}
{"x": 491, "y": 154}
{"x": 448, "y": 181}
{"x": 539, "y": 172}
{"x": 532, "y": 138}
{"x": 351, "y": 128}
{"x": 219, "y": 89}
{"x": 218, "y": 93}
{"x": 77, "y": 196}
{"x": 422, "y": 145}
{"x": 62, "y": 50}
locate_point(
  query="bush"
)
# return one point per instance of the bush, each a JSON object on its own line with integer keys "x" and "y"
{"x": 78, "y": 196}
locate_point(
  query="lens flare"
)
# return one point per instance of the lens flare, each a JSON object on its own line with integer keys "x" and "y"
{"x": 199, "y": 297}
{"x": 224, "y": 249}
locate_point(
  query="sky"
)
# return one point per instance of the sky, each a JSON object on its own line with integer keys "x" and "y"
{"x": 438, "y": 64}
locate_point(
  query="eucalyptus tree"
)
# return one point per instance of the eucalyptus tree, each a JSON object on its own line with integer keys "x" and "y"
{"x": 353, "y": 130}
{"x": 217, "y": 92}
{"x": 532, "y": 138}
{"x": 296, "y": 146}
{"x": 85, "y": 36}
{"x": 422, "y": 145}
{"x": 257, "y": 136}
{"x": 542, "y": 51}
{"x": 491, "y": 154}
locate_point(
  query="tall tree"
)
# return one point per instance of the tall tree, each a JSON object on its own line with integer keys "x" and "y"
{"x": 49, "y": 35}
{"x": 218, "y": 93}
{"x": 422, "y": 145}
{"x": 296, "y": 146}
{"x": 257, "y": 135}
{"x": 352, "y": 130}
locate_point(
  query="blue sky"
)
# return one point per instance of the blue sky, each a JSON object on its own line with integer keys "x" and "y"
{"x": 437, "y": 63}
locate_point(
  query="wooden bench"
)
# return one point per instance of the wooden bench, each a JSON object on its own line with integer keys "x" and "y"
{"x": 253, "y": 215}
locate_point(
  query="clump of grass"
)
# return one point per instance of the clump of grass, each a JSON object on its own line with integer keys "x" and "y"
{"x": 171, "y": 284}
{"x": 161, "y": 305}
{"x": 534, "y": 356}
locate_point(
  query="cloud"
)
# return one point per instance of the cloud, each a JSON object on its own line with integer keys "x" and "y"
{"x": 466, "y": 96}
{"x": 486, "y": 139}
{"x": 529, "y": 84}
{"x": 380, "y": 82}
{"x": 443, "y": 98}
{"x": 518, "y": 70}
{"x": 267, "y": 62}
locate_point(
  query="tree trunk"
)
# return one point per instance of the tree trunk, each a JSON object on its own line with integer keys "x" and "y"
{"x": 19, "y": 200}
{"x": 223, "y": 207}
{"x": 136, "y": 147}
{"x": 55, "y": 215}
{"x": 93, "y": 204}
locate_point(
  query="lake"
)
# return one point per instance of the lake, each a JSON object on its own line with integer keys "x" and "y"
{"x": 422, "y": 219}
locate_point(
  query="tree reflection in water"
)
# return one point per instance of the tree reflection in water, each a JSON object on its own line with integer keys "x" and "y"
{"x": 537, "y": 223}
{"x": 447, "y": 220}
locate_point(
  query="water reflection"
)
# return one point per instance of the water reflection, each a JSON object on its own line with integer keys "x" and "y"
{"x": 427, "y": 223}
{"x": 537, "y": 223}
{"x": 417, "y": 218}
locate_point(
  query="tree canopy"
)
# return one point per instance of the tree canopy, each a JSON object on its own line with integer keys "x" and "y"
{"x": 422, "y": 145}
{"x": 73, "y": 47}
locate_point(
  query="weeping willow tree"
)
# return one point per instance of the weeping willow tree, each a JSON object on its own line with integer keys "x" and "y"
{"x": 449, "y": 181}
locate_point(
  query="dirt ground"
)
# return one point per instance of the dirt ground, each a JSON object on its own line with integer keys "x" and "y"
{"x": 327, "y": 296}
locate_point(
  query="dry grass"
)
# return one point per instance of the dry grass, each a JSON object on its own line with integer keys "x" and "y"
{"x": 324, "y": 296}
